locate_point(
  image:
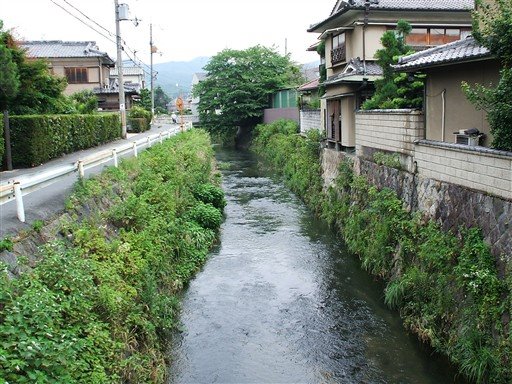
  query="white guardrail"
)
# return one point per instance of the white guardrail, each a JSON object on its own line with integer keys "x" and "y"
{"x": 15, "y": 189}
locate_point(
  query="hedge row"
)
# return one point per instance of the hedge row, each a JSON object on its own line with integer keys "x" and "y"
{"x": 35, "y": 139}
{"x": 2, "y": 146}
{"x": 139, "y": 119}
{"x": 138, "y": 124}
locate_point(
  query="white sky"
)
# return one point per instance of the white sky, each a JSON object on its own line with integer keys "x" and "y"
{"x": 181, "y": 30}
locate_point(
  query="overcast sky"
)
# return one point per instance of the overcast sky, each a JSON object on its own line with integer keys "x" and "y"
{"x": 182, "y": 30}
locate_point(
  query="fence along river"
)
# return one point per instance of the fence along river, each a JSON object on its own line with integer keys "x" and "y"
{"x": 281, "y": 301}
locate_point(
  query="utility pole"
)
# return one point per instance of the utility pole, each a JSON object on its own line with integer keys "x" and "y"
{"x": 122, "y": 106}
{"x": 152, "y": 50}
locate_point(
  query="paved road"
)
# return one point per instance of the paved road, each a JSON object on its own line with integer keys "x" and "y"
{"x": 45, "y": 203}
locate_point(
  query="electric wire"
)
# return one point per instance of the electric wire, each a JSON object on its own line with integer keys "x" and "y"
{"x": 124, "y": 45}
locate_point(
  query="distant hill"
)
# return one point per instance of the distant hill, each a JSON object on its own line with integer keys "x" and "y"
{"x": 181, "y": 72}
{"x": 178, "y": 72}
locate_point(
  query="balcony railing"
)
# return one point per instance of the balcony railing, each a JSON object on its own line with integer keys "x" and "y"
{"x": 338, "y": 55}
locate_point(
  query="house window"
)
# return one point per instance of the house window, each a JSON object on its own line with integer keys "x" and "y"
{"x": 338, "y": 53}
{"x": 76, "y": 75}
{"x": 433, "y": 36}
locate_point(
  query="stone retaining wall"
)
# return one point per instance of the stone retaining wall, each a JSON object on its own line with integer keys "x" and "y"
{"x": 449, "y": 204}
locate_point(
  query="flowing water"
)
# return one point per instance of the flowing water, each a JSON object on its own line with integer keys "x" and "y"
{"x": 282, "y": 301}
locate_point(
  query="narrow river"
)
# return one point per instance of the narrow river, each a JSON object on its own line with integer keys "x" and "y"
{"x": 282, "y": 301}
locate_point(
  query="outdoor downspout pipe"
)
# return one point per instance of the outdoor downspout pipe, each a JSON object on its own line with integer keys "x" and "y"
{"x": 443, "y": 114}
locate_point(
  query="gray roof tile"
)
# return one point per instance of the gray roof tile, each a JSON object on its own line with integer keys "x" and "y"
{"x": 416, "y": 4}
{"x": 458, "y": 51}
{"x": 60, "y": 49}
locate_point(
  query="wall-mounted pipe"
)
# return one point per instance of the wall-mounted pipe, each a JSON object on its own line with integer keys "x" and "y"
{"x": 443, "y": 114}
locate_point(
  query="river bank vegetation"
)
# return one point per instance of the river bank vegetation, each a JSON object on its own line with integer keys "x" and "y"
{"x": 98, "y": 305}
{"x": 446, "y": 286}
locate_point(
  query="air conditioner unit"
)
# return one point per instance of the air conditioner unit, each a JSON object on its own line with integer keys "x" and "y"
{"x": 467, "y": 140}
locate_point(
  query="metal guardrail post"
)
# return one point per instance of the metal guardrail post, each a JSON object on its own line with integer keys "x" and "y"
{"x": 160, "y": 137}
{"x": 134, "y": 145}
{"x": 114, "y": 155}
{"x": 20, "y": 209}
{"x": 81, "y": 173}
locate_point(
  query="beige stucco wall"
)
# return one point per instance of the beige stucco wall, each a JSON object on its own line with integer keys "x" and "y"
{"x": 372, "y": 41}
{"x": 348, "y": 131}
{"x": 459, "y": 112}
{"x": 478, "y": 168}
{"x": 97, "y": 75}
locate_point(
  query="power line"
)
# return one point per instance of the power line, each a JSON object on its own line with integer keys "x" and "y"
{"x": 127, "y": 50}
{"x": 88, "y": 18}
{"x": 83, "y": 22}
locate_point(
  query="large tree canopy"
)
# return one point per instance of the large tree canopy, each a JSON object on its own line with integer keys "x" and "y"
{"x": 38, "y": 91}
{"x": 238, "y": 86}
{"x": 9, "y": 76}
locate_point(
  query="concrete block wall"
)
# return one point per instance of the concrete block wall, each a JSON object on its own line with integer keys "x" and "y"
{"x": 310, "y": 119}
{"x": 389, "y": 130}
{"x": 477, "y": 168}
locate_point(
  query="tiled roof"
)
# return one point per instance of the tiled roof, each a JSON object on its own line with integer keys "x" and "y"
{"x": 343, "y": 6}
{"x": 355, "y": 71}
{"x": 63, "y": 49}
{"x": 458, "y": 51}
{"x": 417, "y": 4}
{"x": 310, "y": 85}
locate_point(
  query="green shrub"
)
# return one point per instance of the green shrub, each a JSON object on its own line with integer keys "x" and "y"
{"x": 138, "y": 124}
{"x": 206, "y": 215}
{"x": 137, "y": 113}
{"x": 38, "y": 139}
{"x": 6, "y": 244}
{"x": 445, "y": 285}
{"x": 210, "y": 194}
{"x": 391, "y": 160}
{"x": 101, "y": 306}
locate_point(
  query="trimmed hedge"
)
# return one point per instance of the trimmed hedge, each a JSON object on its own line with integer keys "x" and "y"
{"x": 2, "y": 144}
{"x": 139, "y": 119}
{"x": 138, "y": 124}
{"x": 35, "y": 139}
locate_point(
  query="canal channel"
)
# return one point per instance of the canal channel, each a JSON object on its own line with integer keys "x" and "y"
{"x": 280, "y": 300}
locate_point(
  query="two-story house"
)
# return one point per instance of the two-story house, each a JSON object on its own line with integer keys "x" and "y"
{"x": 85, "y": 67}
{"x": 351, "y": 35}
{"x": 80, "y": 62}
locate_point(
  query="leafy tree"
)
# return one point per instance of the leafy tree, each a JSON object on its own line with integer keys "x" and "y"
{"x": 492, "y": 28}
{"x": 9, "y": 87}
{"x": 238, "y": 86}
{"x": 161, "y": 99}
{"x": 40, "y": 91}
{"x": 395, "y": 90}
{"x": 145, "y": 99}
{"x": 85, "y": 101}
